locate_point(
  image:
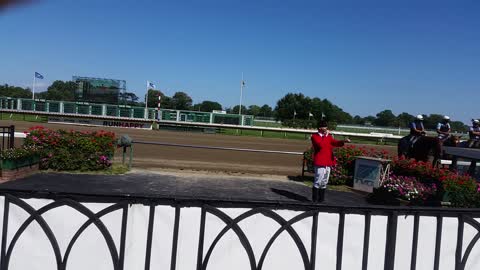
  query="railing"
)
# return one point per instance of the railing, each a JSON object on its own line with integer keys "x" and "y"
{"x": 7, "y": 134}
{"x": 136, "y": 232}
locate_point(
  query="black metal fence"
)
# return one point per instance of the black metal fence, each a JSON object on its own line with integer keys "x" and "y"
{"x": 7, "y": 137}
{"x": 305, "y": 212}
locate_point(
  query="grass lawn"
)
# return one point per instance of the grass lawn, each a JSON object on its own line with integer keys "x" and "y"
{"x": 23, "y": 117}
{"x": 115, "y": 169}
{"x": 266, "y": 124}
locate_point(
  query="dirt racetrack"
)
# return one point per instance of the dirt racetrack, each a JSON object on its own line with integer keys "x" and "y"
{"x": 152, "y": 157}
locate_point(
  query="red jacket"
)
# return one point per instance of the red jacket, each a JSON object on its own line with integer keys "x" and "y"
{"x": 323, "y": 149}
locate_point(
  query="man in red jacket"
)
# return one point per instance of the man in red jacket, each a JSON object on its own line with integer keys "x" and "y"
{"x": 323, "y": 144}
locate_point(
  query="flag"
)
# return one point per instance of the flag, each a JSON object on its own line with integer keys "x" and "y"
{"x": 38, "y": 75}
{"x": 150, "y": 85}
{"x": 310, "y": 114}
{"x": 323, "y": 115}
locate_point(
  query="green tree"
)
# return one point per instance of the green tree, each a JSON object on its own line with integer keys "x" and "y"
{"x": 208, "y": 106}
{"x": 60, "y": 90}
{"x": 404, "y": 119}
{"x": 385, "y": 119}
{"x": 369, "y": 120}
{"x": 253, "y": 110}
{"x": 266, "y": 111}
{"x": 292, "y": 106}
{"x": 235, "y": 109}
{"x": 458, "y": 126}
{"x": 358, "y": 120}
{"x": 15, "y": 91}
{"x": 181, "y": 101}
{"x": 431, "y": 121}
{"x": 152, "y": 99}
{"x": 300, "y": 107}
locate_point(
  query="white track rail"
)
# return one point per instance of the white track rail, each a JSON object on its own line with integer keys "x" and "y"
{"x": 378, "y": 136}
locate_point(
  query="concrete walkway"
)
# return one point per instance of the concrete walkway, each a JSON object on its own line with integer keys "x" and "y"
{"x": 176, "y": 186}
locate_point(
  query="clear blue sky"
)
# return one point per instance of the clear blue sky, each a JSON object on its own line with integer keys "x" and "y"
{"x": 365, "y": 56}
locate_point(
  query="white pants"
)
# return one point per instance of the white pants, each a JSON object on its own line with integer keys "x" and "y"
{"x": 321, "y": 177}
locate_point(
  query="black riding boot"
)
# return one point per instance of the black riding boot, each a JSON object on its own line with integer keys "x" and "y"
{"x": 314, "y": 194}
{"x": 321, "y": 194}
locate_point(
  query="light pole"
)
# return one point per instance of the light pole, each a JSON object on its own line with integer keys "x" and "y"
{"x": 242, "y": 84}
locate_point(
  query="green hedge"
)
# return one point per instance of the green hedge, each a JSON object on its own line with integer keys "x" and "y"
{"x": 72, "y": 150}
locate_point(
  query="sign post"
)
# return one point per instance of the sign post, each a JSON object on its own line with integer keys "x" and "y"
{"x": 370, "y": 173}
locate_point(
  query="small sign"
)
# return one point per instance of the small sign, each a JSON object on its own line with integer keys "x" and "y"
{"x": 219, "y": 112}
{"x": 369, "y": 173}
{"x": 98, "y": 122}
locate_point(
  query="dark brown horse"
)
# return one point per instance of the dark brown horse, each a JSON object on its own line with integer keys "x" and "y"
{"x": 421, "y": 150}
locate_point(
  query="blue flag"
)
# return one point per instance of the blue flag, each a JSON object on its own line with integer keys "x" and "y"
{"x": 38, "y": 75}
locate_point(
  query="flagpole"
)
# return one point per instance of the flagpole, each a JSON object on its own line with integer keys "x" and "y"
{"x": 146, "y": 98}
{"x": 33, "y": 88}
{"x": 241, "y": 94}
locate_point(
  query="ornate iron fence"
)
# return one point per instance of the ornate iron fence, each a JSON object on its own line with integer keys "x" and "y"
{"x": 307, "y": 248}
{"x": 7, "y": 134}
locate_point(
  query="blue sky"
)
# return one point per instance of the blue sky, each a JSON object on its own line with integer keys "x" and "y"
{"x": 365, "y": 56}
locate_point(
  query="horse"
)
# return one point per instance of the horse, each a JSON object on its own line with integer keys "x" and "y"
{"x": 421, "y": 150}
{"x": 451, "y": 141}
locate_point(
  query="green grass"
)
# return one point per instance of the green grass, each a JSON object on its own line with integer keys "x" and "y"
{"x": 23, "y": 117}
{"x": 368, "y": 131}
{"x": 266, "y": 134}
{"x": 266, "y": 124}
{"x": 115, "y": 169}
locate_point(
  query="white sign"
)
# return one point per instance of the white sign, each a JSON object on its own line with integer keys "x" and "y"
{"x": 219, "y": 112}
{"x": 99, "y": 122}
{"x": 369, "y": 172}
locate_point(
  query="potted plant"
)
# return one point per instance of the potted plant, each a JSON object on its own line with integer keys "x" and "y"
{"x": 402, "y": 190}
{"x": 15, "y": 158}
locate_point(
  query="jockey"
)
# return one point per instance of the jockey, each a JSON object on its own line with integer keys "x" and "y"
{"x": 443, "y": 129}
{"x": 474, "y": 133}
{"x": 416, "y": 129}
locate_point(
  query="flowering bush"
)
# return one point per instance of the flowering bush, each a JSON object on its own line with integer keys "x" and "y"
{"x": 19, "y": 153}
{"x": 460, "y": 190}
{"x": 408, "y": 188}
{"x": 72, "y": 150}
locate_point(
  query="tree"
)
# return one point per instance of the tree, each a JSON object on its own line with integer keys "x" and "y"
{"x": 60, "y": 90}
{"x": 300, "y": 107}
{"x": 15, "y": 92}
{"x": 358, "y": 120}
{"x": 234, "y": 110}
{"x": 152, "y": 99}
{"x": 385, "y": 119}
{"x": 404, "y": 119}
{"x": 253, "y": 110}
{"x": 181, "y": 101}
{"x": 266, "y": 111}
{"x": 369, "y": 120}
{"x": 458, "y": 126}
{"x": 208, "y": 106}
{"x": 293, "y": 106}
{"x": 431, "y": 121}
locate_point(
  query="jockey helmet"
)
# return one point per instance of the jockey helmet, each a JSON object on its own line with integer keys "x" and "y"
{"x": 475, "y": 121}
{"x": 446, "y": 117}
{"x": 419, "y": 117}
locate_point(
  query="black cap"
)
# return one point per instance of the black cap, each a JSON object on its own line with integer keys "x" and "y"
{"x": 322, "y": 123}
